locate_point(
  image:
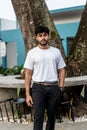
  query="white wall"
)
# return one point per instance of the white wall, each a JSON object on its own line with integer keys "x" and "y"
{"x": 7, "y": 24}
{"x": 58, "y": 4}
{"x": 11, "y": 55}
{"x": 67, "y": 17}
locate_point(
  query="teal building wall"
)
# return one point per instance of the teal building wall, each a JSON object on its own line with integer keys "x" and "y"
{"x": 67, "y": 30}
{"x": 14, "y": 36}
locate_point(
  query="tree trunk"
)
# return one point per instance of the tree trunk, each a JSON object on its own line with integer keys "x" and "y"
{"x": 77, "y": 64}
{"x": 31, "y": 13}
{"x": 77, "y": 61}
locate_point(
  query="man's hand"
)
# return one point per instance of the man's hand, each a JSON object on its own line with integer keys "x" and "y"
{"x": 62, "y": 89}
{"x": 29, "y": 101}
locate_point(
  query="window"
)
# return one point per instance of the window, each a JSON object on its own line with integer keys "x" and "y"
{"x": 69, "y": 43}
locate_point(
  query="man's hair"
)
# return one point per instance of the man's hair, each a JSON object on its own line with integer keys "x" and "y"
{"x": 41, "y": 29}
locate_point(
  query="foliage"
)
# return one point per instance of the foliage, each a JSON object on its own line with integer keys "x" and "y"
{"x": 11, "y": 71}
{"x": 2, "y": 70}
{"x": 18, "y": 114}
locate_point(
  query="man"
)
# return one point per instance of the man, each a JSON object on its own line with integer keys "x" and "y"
{"x": 44, "y": 65}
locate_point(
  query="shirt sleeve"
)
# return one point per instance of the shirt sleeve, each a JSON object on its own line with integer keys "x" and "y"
{"x": 29, "y": 62}
{"x": 61, "y": 62}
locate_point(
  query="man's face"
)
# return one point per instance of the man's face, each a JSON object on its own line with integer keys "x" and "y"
{"x": 42, "y": 38}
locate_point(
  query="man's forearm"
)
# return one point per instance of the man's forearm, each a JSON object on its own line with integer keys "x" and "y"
{"x": 27, "y": 87}
{"x": 28, "y": 76}
{"x": 61, "y": 77}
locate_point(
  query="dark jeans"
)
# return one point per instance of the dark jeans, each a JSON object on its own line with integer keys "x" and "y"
{"x": 45, "y": 98}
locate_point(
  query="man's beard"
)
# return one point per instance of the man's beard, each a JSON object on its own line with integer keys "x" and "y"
{"x": 44, "y": 44}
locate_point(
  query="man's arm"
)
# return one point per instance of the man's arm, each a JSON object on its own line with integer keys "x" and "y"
{"x": 61, "y": 76}
{"x": 28, "y": 77}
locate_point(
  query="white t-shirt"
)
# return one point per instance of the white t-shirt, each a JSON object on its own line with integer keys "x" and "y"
{"x": 44, "y": 63}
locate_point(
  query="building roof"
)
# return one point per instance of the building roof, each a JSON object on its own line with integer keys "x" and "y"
{"x": 67, "y": 9}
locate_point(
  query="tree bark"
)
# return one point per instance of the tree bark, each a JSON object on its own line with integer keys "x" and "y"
{"x": 31, "y": 13}
{"x": 77, "y": 61}
{"x": 77, "y": 64}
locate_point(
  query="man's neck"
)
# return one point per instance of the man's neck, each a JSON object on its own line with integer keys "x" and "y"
{"x": 43, "y": 47}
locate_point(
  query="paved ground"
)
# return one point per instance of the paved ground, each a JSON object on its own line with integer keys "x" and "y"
{"x": 67, "y": 126}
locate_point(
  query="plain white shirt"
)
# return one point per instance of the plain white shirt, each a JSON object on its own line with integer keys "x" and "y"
{"x": 44, "y": 63}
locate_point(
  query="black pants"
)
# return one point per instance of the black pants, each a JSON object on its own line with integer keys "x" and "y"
{"x": 45, "y": 98}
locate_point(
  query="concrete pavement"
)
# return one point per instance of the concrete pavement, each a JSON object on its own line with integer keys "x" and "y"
{"x": 66, "y": 126}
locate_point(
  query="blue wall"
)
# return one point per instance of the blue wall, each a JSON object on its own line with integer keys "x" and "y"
{"x": 15, "y": 36}
{"x": 67, "y": 30}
